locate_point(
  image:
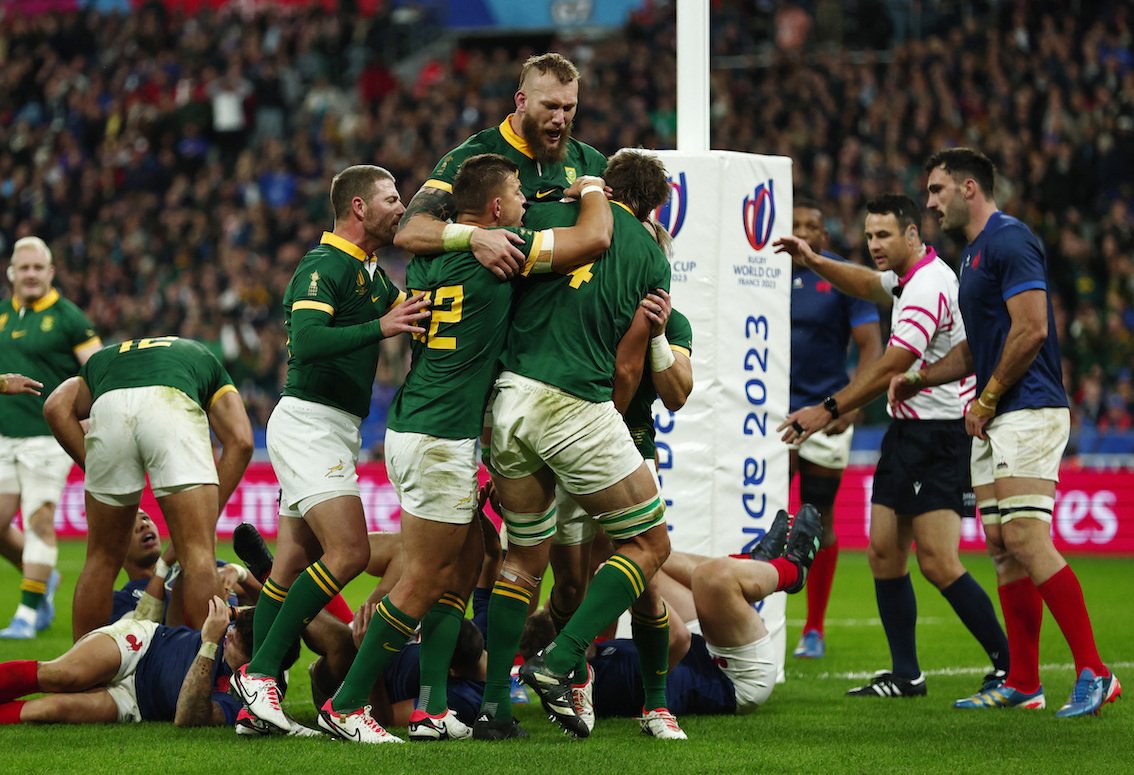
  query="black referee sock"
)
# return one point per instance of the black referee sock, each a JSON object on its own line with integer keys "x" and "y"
{"x": 897, "y": 607}
{"x": 975, "y": 611}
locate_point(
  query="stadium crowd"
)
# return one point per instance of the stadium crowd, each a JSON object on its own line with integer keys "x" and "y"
{"x": 177, "y": 166}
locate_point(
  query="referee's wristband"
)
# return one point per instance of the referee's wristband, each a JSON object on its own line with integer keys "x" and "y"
{"x": 208, "y": 650}
{"x": 661, "y": 354}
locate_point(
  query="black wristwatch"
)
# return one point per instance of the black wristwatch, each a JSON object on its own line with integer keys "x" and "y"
{"x": 832, "y": 406}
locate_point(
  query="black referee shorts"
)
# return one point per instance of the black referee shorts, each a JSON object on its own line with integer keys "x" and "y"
{"x": 924, "y": 467}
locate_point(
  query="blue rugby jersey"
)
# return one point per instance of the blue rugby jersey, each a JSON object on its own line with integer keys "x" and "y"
{"x": 403, "y": 673}
{"x": 822, "y": 317}
{"x": 1004, "y": 260}
{"x": 160, "y": 673}
{"x": 695, "y": 685}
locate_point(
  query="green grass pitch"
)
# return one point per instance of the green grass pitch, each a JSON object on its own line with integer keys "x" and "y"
{"x": 808, "y": 726}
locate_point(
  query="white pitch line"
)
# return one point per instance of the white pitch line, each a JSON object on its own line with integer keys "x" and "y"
{"x": 859, "y": 675}
{"x": 870, "y": 622}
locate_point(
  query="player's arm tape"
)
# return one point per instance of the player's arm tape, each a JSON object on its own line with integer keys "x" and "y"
{"x": 208, "y": 650}
{"x": 661, "y": 354}
{"x": 542, "y": 253}
{"x": 457, "y": 236}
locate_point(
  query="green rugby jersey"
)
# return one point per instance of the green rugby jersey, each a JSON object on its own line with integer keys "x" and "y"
{"x": 539, "y": 182}
{"x": 39, "y": 341}
{"x": 170, "y": 361}
{"x": 456, "y": 361}
{"x": 336, "y": 367}
{"x": 639, "y": 413}
{"x": 566, "y": 328}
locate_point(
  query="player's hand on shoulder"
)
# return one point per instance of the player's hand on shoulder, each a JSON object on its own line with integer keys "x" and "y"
{"x": 496, "y": 250}
{"x": 406, "y": 317}
{"x": 575, "y": 190}
{"x": 658, "y": 307}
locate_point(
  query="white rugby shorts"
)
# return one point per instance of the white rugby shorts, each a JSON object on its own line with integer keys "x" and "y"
{"x": 586, "y": 444}
{"x": 36, "y": 467}
{"x": 155, "y": 430}
{"x": 434, "y": 478}
{"x": 314, "y": 450}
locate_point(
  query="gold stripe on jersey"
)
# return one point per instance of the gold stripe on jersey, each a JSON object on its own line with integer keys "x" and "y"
{"x": 539, "y": 257}
{"x": 513, "y": 139}
{"x": 316, "y": 305}
{"x": 223, "y": 389}
{"x": 435, "y": 183}
{"x": 345, "y": 246}
{"x": 683, "y": 350}
{"x": 93, "y": 341}
{"x": 624, "y": 207}
{"x": 40, "y": 304}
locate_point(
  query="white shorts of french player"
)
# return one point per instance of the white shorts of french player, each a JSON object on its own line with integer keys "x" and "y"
{"x": 133, "y": 639}
{"x": 1022, "y": 444}
{"x": 751, "y": 668}
{"x": 585, "y": 444}
{"x": 435, "y": 479}
{"x": 154, "y": 430}
{"x": 574, "y": 526}
{"x": 314, "y": 450}
{"x": 36, "y": 467}
{"x": 828, "y": 451}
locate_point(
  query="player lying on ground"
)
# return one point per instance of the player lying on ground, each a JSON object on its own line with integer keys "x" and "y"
{"x": 135, "y": 671}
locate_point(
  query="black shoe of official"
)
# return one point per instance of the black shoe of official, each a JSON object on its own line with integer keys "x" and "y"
{"x": 488, "y": 728}
{"x": 250, "y": 548}
{"x": 774, "y": 541}
{"x": 803, "y": 543}
{"x": 886, "y": 684}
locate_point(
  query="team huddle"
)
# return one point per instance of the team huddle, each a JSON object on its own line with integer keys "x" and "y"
{"x": 542, "y": 331}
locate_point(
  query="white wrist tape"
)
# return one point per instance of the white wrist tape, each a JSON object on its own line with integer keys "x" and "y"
{"x": 241, "y": 572}
{"x": 661, "y": 354}
{"x": 208, "y": 651}
{"x": 457, "y": 236}
{"x": 161, "y": 568}
{"x": 589, "y": 188}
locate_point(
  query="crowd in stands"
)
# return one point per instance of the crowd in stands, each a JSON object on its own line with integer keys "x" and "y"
{"x": 179, "y": 166}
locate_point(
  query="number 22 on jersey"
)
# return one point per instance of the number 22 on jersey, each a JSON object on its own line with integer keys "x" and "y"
{"x": 448, "y": 301}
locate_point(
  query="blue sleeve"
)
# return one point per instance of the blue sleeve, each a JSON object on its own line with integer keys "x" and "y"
{"x": 861, "y": 311}
{"x": 480, "y": 598}
{"x": 229, "y": 705}
{"x": 1017, "y": 260}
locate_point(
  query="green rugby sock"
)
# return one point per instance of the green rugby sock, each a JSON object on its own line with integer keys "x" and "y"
{"x": 311, "y": 591}
{"x": 559, "y": 618}
{"x": 272, "y": 597}
{"x": 388, "y": 632}
{"x": 651, "y": 636}
{"x": 507, "y": 612}
{"x": 439, "y": 631}
{"x": 32, "y": 592}
{"x": 614, "y": 588}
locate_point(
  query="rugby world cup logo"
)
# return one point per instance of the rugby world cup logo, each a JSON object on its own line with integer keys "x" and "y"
{"x": 759, "y": 214}
{"x": 671, "y": 215}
